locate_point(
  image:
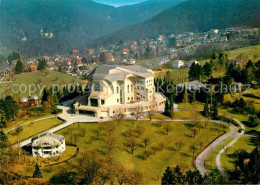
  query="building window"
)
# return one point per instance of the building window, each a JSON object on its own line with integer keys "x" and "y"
{"x": 128, "y": 89}
{"x": 117, "y": 89}
{"x": 102, "y": 102}
{"x": 117, "y": 100}
{"x": 98, "y": 87}
{"x": 128, "y": 98}
{"x": 94, "y": 102}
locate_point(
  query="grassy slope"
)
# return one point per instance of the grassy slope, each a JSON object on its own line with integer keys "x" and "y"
{"x": 152, "y": 168}
{"x": 33, "y": 129}
{"x": 40, "y": 79}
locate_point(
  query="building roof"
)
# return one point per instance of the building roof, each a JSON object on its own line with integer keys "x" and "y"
{"x": 47, "y": 140}
{"x": 119, "y": 72}
{"x": 34, "y": 97}
{"x": 23, "y": 100}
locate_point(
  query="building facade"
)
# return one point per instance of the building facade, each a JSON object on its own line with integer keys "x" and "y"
{"x": 114, "y": 89}
{"x": 48, "y": 145}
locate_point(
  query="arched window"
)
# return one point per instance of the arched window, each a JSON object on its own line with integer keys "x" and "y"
{"x": 117, "y": 90}
{"x": 128, "y": 89}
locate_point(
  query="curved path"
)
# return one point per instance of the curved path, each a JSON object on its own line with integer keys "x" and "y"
{"x": 237, "y": 136}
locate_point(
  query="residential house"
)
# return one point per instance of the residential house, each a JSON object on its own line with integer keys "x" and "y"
{"x": 177, "y": 64}
{"x": 33, "y": 68}
{"x": 236, "y": 62}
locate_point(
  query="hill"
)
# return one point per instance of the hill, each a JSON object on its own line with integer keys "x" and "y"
{"x": 72, "y": 23}
{"x": 191, "y": 15}
{"x": 38, "y": 79}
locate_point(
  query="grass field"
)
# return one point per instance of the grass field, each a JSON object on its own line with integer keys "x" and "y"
{"x": 33, "y": 129}
{"x": 243, "y": 143}
{"x": 153, "y": 167}
{"x": 38, "y": 79}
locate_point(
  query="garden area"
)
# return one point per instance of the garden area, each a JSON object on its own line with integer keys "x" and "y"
{"x": 144, "y": 145}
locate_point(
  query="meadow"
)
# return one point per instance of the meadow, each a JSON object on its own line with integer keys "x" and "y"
{"x": 163, "y": 147}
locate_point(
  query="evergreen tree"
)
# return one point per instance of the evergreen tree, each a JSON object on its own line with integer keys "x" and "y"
{"x": 215, "y": 108}
{"x": 206, "y": 108}
{"x": 45, "y": 95}
{"x": 2, "y": 123}
{"x": 168, "y": 177}
{"x": 19, "y": 68}
{"x": 207, "y": 68}
{"x": 42, "y": 63}
{"x": 3, "y": 140}
{"x": 37, "y": 172}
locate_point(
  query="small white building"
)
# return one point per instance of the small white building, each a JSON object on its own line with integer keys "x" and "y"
{"x": 191, "y": 62}
{"x": 48, "y": 145}
{"x": 177, "y": 64}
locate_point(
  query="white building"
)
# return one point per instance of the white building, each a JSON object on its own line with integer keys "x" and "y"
{"x": 177, "y": 64}
{"x": 48, "y": 145}
{"x": 191, "y": 62}
{"x": 115, "y": 89}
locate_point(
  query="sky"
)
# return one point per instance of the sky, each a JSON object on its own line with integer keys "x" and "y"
{"x": 119, "y": 2}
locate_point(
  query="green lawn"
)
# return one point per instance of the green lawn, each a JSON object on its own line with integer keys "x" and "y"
{"x": 243, "y": 143}
{"x": 152, "y": 168}
{"x": 33, "y": 129}
{"x": 188, "y": 115}
{"x": 38, "y": 79}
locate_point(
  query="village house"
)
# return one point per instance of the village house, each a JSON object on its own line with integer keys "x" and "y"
{"x": 125, "y": 51}
{"x": 110, "y": 59}
{"x": 177, "y": 64}
{"x": 48, "y": 145}
{"x": 129, "y": 61}
{"x": 192, "y": 62}
{"x": 33, "y": 68}
{"x": 236, "y": 62}
{"x": 115, "y": 89}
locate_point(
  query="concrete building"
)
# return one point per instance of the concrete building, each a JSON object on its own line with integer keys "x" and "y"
{"x": 48, "y": 145}
{"x": 114, "y": 89}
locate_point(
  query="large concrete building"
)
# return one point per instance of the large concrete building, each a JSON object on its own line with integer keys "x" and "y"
{"x": 114, "y": 89}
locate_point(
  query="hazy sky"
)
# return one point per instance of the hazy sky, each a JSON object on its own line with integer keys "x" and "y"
{"x": 119, "y": 2}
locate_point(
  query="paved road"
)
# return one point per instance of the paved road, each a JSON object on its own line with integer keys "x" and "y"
{"x": 200, "y": 160}
{"x": 237, "y": 136}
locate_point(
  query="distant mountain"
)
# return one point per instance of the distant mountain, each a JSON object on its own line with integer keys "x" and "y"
{"x": 191, "y": 15}
{"x": 72, "y": 22}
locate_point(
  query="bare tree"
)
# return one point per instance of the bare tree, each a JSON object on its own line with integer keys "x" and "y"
{"x": 167, "y": 128}
{"x": 134, "y": 177}
{"x": 146, "y": 154}
{"x": 154, "y": 149}
{"x": 206, "y": 123}
{"x": 89, "y": 166}
{"x": 193, "y": 148}
{"x": 110, "y": 143}
{"x": 137, "y": 113}
{"x": 194, "y": 131}
{"x": 146, "y": 141}
{"x": 119, "y": 117}
{"x": 121, "y": 175}
{"x": 151, "y": 112}
{"x": 179, "y": 145}
{"x": 132, "y": 144}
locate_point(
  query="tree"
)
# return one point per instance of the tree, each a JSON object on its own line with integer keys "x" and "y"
{"x": 193, "y": 148}
{"x": 215, "y": 109}
{"x": 206, "y": 111}
{"x": 146, "y": 154}
{"x": 19, "y": 68}
{"x": 2, "y": 123}
{"x": 42, "y": 63}
{"x": 45, "y": 95}
{"x": 90, "y": 164}
{"x": 194, "y": 131}
{"x": 207, "y": 68}
{"x": 168, "y": 177}
{"x": 132, "y": 144}
{"x": 64, "y": 177}
{"x": 146, "y": 141}
{"x": 179, "y": 145}
{"x": 37, "y": 172}
{"x": 110, "y": 143}
{"x": 3, "y": 140}
{"x": 137, "y": 113}
{"x": 167, "y": 128}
